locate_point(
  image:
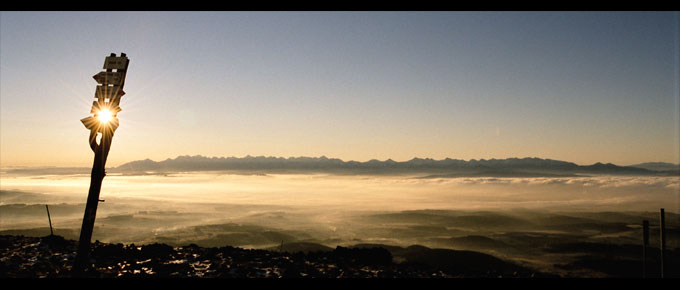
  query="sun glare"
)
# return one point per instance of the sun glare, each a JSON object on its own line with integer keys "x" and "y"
{"x": 105, "y": 116}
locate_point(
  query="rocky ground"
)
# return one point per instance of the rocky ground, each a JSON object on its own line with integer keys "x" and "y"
{"x": 53, "y": 256}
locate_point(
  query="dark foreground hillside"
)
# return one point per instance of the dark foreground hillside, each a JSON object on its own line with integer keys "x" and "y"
{"x": 52, "y": 257}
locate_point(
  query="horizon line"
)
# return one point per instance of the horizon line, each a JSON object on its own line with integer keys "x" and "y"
{"x": 416, "y": 157}
{"x": 324, "y": 156}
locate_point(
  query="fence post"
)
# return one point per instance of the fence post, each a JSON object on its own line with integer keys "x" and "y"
{"x": 50, "y": 220}
{"x": 663, "y": 239}
{"x": 645, "y": 243}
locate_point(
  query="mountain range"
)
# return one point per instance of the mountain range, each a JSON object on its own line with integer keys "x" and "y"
{"x": 429, "y": 168}
{"x": 658, "y": 166}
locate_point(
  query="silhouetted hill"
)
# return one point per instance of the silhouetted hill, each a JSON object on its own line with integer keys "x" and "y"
{"x": 466, "y": 263}
{"x": 300, "y": 247}
{"x": 477, "y": 242}
{"x": 511, "y": 167}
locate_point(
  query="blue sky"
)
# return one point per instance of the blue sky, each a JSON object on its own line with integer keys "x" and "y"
{"x": 577, "y": 86}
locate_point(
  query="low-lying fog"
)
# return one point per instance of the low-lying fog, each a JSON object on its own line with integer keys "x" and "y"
{"x": 507, "y": 217}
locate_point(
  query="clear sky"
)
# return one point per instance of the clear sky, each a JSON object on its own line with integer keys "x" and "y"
{"x": 583, "y": 87}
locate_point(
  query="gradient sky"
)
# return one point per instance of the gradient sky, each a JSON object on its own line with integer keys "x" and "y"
{"x": 583, "y": 87}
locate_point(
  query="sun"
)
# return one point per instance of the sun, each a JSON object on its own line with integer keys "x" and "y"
{"x": 105, "y": 116}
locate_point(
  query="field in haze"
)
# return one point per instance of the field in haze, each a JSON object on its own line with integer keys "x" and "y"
{"x": 556, "y": 224}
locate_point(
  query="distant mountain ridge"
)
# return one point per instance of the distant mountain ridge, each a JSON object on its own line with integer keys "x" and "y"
{"x": 513, "y": 167}
{"x": 658, "y": 166}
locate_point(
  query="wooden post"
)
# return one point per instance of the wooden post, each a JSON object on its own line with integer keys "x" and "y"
{"x": 50, "y": 220}
{"x": 663, "y": 239}
{"x": 96, "y": 179}
{"x": 108, "y": 98}
{"x": 645, "y": 243}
